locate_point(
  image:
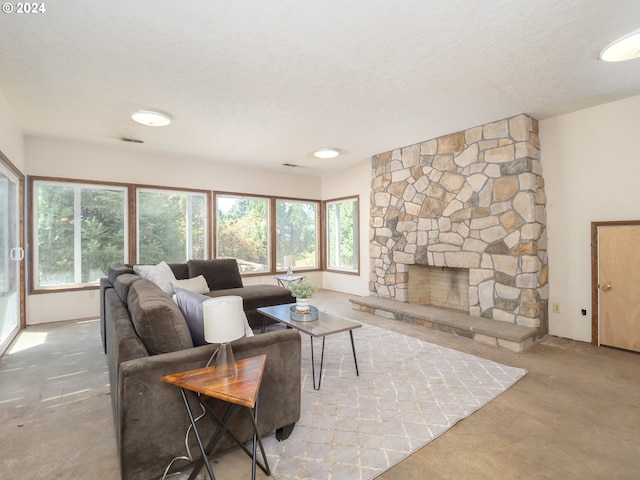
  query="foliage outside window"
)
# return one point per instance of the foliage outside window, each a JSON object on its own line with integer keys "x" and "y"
{"x": 80, "y": 230}
{"x": 242, "y": 231}
{"x": 297, "y": 233}
{"x": 172, "y": 226}
{"x": 342, "y": 234}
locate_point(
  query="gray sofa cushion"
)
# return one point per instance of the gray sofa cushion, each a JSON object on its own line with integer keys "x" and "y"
{"x": 157, "y": 319}
{"x": 180, "y": 270}
{"x": 117, "y": 269}
{"x": 221, "y": 273}
{"x": 261, "y": 295}
{"x": 122, "y": 284}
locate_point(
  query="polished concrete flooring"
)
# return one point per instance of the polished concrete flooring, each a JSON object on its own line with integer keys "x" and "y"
{"x": 575, "y": 415}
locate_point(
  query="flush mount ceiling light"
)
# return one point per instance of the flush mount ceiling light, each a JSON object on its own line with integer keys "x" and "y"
{"x": 624, "y": 48}
{"x": 151, "y": 118}
{"x": 326, "y": 153}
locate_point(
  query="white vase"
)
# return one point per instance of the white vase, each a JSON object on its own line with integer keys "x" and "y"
{"x": 302, "y": 305}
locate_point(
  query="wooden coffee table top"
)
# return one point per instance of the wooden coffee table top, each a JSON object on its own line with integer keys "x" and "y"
{"x": 326, "y": 324}
{"x": 241, "y": 390}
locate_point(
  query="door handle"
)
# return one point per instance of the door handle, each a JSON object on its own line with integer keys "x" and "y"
{"x": 606, "y": 287}
{"x": 16, "y": 254}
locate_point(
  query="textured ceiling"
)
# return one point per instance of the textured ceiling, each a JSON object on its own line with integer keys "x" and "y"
{"x": 267, "y": 82}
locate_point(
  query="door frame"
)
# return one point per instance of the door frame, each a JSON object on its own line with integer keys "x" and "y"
{"x": 595, "y": 306}
{"x": 22, "y": 269}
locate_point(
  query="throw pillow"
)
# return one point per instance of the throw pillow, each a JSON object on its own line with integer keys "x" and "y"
{"x": 196, "y": 284}
{"x": 190, "y": 304}
{"x": 160, "y": 274}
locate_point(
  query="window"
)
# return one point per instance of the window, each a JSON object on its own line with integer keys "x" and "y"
{"x": 342, "y": 234}
{"x": 297, "y": 233}
{"x": 171, "y": 225}
{"x": 79, "y": 230}
{"x": 242, "y": 231}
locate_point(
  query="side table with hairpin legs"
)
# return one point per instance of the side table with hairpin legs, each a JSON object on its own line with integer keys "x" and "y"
{"x": 239, "y": 391}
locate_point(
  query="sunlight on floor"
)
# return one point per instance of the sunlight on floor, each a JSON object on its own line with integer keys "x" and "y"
{"x": 27, "y": 340}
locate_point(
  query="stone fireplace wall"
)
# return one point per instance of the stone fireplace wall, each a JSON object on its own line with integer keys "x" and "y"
{"x": 472, "y": 199}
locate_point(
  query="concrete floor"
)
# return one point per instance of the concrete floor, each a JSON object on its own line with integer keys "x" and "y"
{"x": 575, "y": 415}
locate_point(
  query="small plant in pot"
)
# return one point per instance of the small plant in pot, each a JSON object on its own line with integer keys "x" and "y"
{"x": 302, "y": 291}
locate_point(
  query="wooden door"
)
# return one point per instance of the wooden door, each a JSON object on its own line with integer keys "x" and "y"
{"x": 619, "y": 286}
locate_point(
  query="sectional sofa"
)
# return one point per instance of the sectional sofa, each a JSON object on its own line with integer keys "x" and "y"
{"x": 146, "y": 336}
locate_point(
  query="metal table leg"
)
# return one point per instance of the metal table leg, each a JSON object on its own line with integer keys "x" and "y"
{"x": 205, "y": 459}
{"x": 313, "y": 365}
{"x": 353, "y": 349}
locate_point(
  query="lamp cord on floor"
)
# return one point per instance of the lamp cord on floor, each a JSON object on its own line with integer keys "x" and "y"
{"x": 189, "y": 457}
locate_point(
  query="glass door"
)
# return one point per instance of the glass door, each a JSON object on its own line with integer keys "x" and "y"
{"x": 11, "y": 254}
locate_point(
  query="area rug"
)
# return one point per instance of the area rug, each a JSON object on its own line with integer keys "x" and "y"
{"x": 408, "y": 393}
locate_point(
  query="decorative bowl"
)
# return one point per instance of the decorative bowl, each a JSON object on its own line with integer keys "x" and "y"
{"x": 309, "y": 316}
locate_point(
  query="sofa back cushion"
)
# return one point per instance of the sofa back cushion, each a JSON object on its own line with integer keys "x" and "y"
{"x": 221, "y": 273}
{"x": 122, "y": 283}
{"x": 180, "y": 270}
{"x": 157, "y": 319}
{"x": 117, "y": 269}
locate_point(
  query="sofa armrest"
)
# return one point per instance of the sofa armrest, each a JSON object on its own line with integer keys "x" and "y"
{"x": 151, "y": 418}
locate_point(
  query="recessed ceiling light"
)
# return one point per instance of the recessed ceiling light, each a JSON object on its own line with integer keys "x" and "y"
{"x": 326, "y": 153}
{"x": 151, "y": 118}
{"x": 624, "y": 48}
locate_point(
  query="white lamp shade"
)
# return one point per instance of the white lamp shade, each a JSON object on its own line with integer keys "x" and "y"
{"x": 289, "y": 261}
{"x": 224, "y": 319}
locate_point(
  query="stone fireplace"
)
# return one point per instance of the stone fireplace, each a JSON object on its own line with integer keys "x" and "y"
{"x": 472, "y": 201}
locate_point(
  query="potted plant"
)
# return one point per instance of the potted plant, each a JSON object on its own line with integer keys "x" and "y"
{"x": 302, "y": 291}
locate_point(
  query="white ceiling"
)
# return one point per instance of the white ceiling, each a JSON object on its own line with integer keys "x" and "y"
{"x": 264, "y": 83}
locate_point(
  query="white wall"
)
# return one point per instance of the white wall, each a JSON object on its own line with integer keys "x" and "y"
{"x": 591, "y": 166}
{"x": 55, "y": 158}
{"x": 355, "y": 180}
{"x": 11, "y": 139}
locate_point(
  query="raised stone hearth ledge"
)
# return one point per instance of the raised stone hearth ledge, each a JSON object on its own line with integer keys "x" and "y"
{"x": 512, "y": 337}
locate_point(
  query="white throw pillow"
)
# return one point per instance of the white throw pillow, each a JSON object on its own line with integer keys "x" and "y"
{"x": 196, "y": 284}
{"x": 160, "y": 274}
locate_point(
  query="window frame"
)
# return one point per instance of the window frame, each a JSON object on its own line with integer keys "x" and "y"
{"x": 33, "y": 181}
{"x": 171, "y": 190}
{"x": 318, "y": 227}
{"x": 131, "y": 233}
{"x": 270, "y": 239}
{"x": 271, "y": 253}
{"x": 356, "y": 229}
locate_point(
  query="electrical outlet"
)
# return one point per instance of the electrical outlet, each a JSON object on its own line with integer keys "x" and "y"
{"x": 556, "y": 308}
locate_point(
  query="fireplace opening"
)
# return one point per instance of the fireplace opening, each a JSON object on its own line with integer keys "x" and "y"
{"x": 439, "y": 287}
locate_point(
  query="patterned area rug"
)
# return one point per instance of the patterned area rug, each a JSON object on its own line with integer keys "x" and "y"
{"x": 408, "y": 393}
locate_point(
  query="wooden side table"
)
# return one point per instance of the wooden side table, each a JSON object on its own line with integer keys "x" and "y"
{"x": 240, "y": 391}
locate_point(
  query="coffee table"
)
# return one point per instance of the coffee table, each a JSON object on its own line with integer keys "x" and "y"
{"x": 326, "y": 324}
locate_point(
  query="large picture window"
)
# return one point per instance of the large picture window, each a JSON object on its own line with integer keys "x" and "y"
{"x": 79, "y": 230}
{"x": 171, "y": 226}
{"x": 342, "y": 234}
{"x": 297, "y": 233}
{"x": 242, "y": 231}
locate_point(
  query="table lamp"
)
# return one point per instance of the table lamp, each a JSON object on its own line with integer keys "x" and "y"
{"x": 289, "y": 261}
{"x": 224, "y": 320}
